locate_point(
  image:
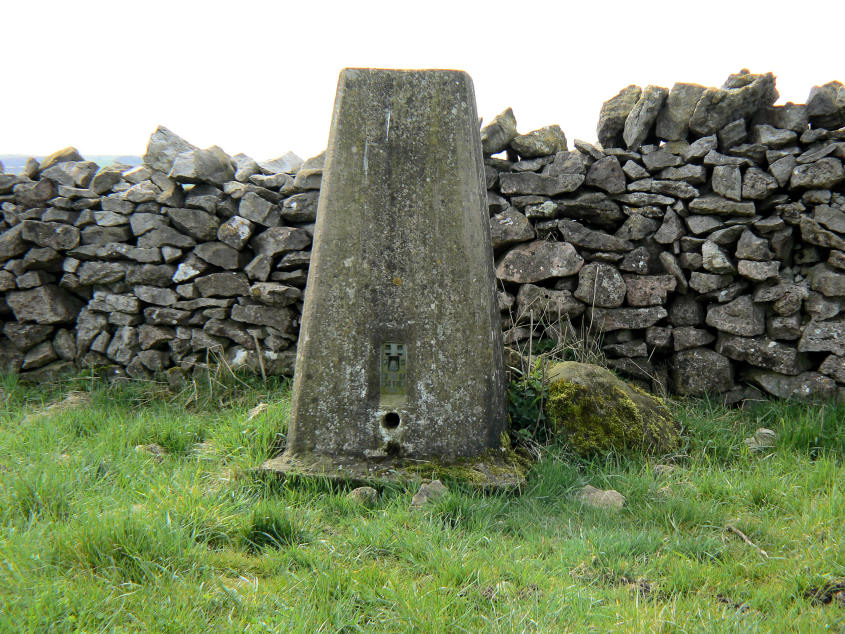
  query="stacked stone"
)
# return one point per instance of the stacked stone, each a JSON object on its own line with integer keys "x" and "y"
{"x": 155, "y": 267}
{"x": 704, "y": 236}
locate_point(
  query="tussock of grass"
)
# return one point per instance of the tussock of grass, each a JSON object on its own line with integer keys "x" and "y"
{"x": 96, "y": 536}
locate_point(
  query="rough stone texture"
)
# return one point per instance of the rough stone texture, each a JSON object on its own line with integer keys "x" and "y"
{"x": 673, "y": 121}
{"x": 640, "y": 121}
{"x": 739, "y": 317}
{"x": 542, "y": 142}
{"x": 44, "y": 305}
{"x": 755, "y": 208}
{"x": 596, "y": 412}
{"x": 700, "y": 371}
{"x": 600, "y": 285}
{"x": 539, "y": 260}
{"x": 419, "y": 242}
{"x": 501, "y": 131}
{"x": 613, "y": 115}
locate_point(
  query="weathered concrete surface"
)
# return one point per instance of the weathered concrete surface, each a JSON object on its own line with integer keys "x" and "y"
{"x": 401, "y": 257}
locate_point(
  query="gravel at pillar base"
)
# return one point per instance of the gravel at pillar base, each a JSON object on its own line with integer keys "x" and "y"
{"x": 400, "y": 350}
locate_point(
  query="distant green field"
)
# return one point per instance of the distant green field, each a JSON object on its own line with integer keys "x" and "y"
{"x": 131, "y": 508}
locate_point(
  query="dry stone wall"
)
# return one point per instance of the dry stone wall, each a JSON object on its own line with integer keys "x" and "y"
{"x": 702, "y": 238}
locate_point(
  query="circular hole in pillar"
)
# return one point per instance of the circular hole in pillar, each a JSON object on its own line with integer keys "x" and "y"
{"x": 391, "y": 420}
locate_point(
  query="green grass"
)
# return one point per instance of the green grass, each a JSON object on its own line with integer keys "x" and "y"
{"x": 99, "y": 534}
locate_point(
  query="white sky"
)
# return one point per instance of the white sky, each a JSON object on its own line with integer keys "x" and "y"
{"x": 259, "y": 77}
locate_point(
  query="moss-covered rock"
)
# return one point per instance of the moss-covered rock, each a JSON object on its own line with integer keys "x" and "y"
{"x": 597, "y": 412}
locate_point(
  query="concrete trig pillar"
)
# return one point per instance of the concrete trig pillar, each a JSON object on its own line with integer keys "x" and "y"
{"x": 400, "y": 348}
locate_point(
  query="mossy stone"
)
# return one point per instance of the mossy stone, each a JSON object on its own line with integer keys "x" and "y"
{"x": 597, "y": 412}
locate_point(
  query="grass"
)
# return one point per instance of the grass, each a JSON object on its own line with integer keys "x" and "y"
{"x": 100, "y": 533}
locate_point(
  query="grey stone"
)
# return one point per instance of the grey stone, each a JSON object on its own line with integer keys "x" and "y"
{"x": 575, "y": 233}
{"x": 281, "y": 319}
{"x": 637, "y": 227}
{"x": 26, "y": 335}
{"x": 538, "y": 260}
{"x": 594, "y": 207}
{"x": 532, "y": 183}
{"x": 673, "y": 121}
{"x": 143, "y": 223}
{"x": 197, "y": 224}
{"x": 35, "y": 193}
{"x": 496, "y": 136}
{"x": 123, "y": 345}
{"x": 607, "y": 319}
{"x": 259, "y": 268}
{"x": 542, "y": 142}
{"x": 689, "y": 337}
{"x": 155, "y": 295}
{"x": 212, "y": 165}
{"x": 165, "y": 316}
{"x": 826, "y": 106}
{"x": 154, "y": 336}
{"x": 782, "y": 169}
{"x": 510, "y": 227}
{"x": 702, "y": 225}
{"x": 712, "y": 204}
{"x": 44, "y": 305}
{"x": 719, "y": 106}
{"x": 700, "y": 371}
{"x": 204, "y": 196}
{"x": 39, "y": 356}
{"x": 786, "y": 117}
{"x": 805, "y": 386}
{"x": 715, "y": 260}
{"x": 606, "y": 174}
{"x": 600, "y": 285}
{"x": 50, "y": 234}
{"x": 289, "y": 163}
{"x": 546, "y": 306}
{"x": 143, "y": 192}
{"x": 165, "y": 236}
{"x": 732, "y": 134}
{"x": 12, "y": 243}
{"x": 813, "y": 233}
{"x": 757, "y": 184}
{"x": 773, "y": 137}
{"x": 758, "y": 271}
{"x": 684, "y": 310}
{"x": 235, "y": 232}
{"x": 823, "y": 174}
{"x": 64, "y": 344}
{"x": 640, "y": 121}
{"x": 739, "y": 317}
{"x": 613, "y": 115}
{"x": 834, "y": 366}
{"x": 830, "y": 217}
{"x": 227, "y": 284}
{"x": 639, "y": 260}
{"x": 218, "y": 254}
{"x": 700, "y": 148}
{"x": 750, "y": 247}
{"x": 635, "y": 171}
{"x": 150, "y": 274}
{"x": 824, "y": 336}
{"x": 727, "y": 181}
{"x": 163, "y": 148}
{"x": 301, "y": 207}
{"x": 671, "y": 229}
{"x": 692, "y": 174}
{"x": 787, "y": 328}
{"x": 274, "y": 294}
{"x": 647, "y": 290}
{"x": 566, "y": 163}
{"x": 254, "y": 208}
{"x": 762, "y": 352}
{"x": 279, "y": 240}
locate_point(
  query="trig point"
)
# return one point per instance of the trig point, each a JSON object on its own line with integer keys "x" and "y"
{"x": 400, "y": 353}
